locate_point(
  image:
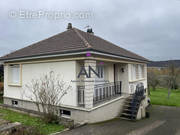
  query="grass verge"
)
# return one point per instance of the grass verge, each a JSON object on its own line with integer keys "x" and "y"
{"x": 30, "y": 121}
{"x": 160, "y": 97}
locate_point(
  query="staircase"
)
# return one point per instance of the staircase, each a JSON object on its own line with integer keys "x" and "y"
{"x": 132, "y": 104}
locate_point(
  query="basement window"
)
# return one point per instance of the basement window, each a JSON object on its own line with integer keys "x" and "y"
{"x": 14, "y": 74}
{"x": 14, "y": 103}
{"x": 65, "y": 113}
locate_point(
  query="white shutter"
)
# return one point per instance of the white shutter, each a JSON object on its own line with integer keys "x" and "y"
{"x": 133, "y": 72}
{"x": 143, "y": 74}
{"x": 15, "y": 74}
{"x": 140, "y": 71}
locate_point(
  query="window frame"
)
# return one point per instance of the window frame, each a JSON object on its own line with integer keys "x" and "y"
{"x": 10, "y": 83}
{"x": 137, "y": 72}
{"x": 62, "y": 113}
{"x": 14, "y": 103}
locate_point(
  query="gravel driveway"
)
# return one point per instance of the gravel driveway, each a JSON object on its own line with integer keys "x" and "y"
{"x": 163, "y": 120}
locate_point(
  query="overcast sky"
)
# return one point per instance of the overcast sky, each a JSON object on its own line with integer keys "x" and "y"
{"x": 150, "y": 28}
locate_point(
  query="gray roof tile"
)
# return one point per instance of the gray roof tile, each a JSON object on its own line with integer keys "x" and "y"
{"x": 71, "y": 40}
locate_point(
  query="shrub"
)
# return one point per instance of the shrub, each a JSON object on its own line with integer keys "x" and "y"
{"x": 47, "y": 93}
{"x": 1, "y": 87}
{"x": 23, "y": 130}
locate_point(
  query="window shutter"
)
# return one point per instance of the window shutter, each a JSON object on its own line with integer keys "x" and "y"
{"x": 15, "y": 74}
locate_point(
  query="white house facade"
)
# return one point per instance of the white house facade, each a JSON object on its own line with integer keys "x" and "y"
{"x": 70, "y": 54}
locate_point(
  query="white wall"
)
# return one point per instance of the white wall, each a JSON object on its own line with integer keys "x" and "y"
{"x": 67, "y": 71}
{"x": 110, "y": 72}
{"x": 122, "y": 76}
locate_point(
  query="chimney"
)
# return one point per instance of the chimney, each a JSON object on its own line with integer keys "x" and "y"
{"x": 89, "y": 30}
{"x": 69, "y": 26}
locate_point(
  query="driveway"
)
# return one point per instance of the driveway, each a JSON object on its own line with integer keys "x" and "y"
{"x": 163, "y": 120}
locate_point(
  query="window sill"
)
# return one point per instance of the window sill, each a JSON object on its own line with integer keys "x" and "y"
{"x": 15, "y": 85}
{"x": 137, "y": 80}
{"x": 66, "y": 116}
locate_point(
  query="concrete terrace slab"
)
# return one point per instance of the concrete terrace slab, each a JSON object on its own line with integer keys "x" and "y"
{"x": 163, "y": 120}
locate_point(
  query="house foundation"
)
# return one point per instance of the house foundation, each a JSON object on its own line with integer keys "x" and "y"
{"x": 106, "y": 111}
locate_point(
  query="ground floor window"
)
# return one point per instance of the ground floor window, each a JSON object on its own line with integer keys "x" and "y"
{"x": 14, "y": 76}
{"x": 137, "y": 71}
{"x": 65, "y": 113}
{"x": 14, "y": 102}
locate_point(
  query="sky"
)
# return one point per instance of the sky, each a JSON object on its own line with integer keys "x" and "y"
{"x": 149, "y": 28}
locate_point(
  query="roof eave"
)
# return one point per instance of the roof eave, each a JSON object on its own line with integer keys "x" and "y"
{"x": 69, "y": 53}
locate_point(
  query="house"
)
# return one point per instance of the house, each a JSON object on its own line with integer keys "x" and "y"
{"x": 97, "y": 97}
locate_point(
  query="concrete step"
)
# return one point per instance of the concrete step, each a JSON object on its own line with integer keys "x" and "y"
{"x": 128, "y": 106}
{"x": 128, "y": 114}
{"x": 130, "y": 99}
{"x": 2, "y": 121}
{"x": 9, "y": 126}
{"x": 128, "y": 102}
{"x": 125, "y": 118}
{"x": 130, "y": 111}
{"x": 128, "y": 117}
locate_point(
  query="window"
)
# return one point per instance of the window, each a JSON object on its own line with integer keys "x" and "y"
{"x": 137, "y": 72}
{"x": 142, "y": 71}
{"x": 65, "y": 113}
{"x": 101, "y": 72}
{"x": 14, "y": 74}
{"x": 133, "y": 72}
{"x": 14, "y": 102}
{"x": 80, "y": 95}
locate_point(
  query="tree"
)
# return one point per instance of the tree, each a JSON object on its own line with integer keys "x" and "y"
{"x": 171, "y": 77}
{"x": 47, "y": 93}
{"x": 1, "y": 73}
{"x": 153, "y": 79}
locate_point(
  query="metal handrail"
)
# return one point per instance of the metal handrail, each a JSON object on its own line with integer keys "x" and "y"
{"x": 104, "y": 92}
{"x": 138, "y": 96}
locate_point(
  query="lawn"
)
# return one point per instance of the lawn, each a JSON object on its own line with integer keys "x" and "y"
{"x": 30, "y": 121}
{"x": 159, "y": 97}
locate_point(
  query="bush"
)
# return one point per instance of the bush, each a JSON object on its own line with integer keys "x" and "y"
{"x": 1, "y": 87}
{"x": 50, "y": 118}
{"x": 23, "y": 131}
{"x": 47, "y": 92}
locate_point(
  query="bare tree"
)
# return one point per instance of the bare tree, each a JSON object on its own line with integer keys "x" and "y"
{"x": 171, "y": 78}
{"x": 153, "y": 79}
{"x": 47, "y": 93}
{"x": 1, "y": 73}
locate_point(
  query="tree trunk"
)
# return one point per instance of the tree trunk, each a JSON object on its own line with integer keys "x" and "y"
{"x": 169, "y": 93}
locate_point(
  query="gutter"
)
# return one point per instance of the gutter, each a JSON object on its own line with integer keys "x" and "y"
{"x": 70, "y": 53}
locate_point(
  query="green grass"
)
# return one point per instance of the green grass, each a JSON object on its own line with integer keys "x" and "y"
{"x": 30, "y": 121}
{"x": 159, "y": 97}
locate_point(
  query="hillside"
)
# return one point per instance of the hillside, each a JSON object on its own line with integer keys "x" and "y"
{"x": 163, "y": 63}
